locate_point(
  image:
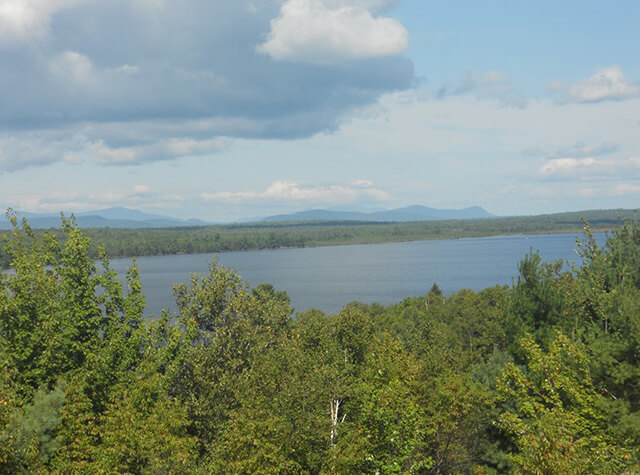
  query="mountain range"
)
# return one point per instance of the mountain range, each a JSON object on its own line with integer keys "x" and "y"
{"x": 106, "y": 218}
{"x": 131, "y": 218}
{"x": 409, "y": 213}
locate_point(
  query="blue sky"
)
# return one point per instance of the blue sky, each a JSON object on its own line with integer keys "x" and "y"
{"x": 232, "y": 109}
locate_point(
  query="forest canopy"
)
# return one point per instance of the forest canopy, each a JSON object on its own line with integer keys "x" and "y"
{"x": 539, "y": 377}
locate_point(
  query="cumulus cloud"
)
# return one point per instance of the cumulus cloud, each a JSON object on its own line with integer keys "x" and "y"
{"x": 608, "y": 84}
{"x": 23, "y": 20}
{"x": 151, "y": 91}
{"x": 330, "y": 31}
{"x": 289, "y": 191}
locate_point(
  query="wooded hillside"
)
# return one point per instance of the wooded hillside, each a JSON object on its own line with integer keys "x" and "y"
{"x": 540, "y": 377}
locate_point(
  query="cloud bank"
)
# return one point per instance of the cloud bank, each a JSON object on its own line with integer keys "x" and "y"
{"x": 131, "y": 76}
{"x": 138, "y": 196}
{"x": 289, "y": 191}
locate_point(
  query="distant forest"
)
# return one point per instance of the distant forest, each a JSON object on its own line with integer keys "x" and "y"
{"x": 239, "y": 237}
{"x": 541, "y": 377}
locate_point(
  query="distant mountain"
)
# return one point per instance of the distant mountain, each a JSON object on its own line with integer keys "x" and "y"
{"x": 124, "y": 213}
{"x": 131, "y": 218}
{"x": 409, "y": 213}
{"x": 107, "y": 218}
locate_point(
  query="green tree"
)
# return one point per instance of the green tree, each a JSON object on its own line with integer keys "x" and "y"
{"x": 558, "y": 422}
{"x": 225, "y": 326}
{"x": 387, "y": 431}
{"x": 31, "y": 432}
{"x": 145, "y": 431}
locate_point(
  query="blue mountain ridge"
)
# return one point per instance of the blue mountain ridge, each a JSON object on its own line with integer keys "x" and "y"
{"x": 120, "y": 217}
{"x": 409, "y": 213}
{"x": 106, "y": 218}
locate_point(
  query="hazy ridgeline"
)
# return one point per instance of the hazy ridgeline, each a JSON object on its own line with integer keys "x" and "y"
{"x": 540, "y": 377}
{"x": 221, "y": 238}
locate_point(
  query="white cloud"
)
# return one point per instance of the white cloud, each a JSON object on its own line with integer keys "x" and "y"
{"x": 139, "y": 196}
{"x": 292, "y": 191}
{"x": 331, "y": 31}
{"x": 106, "y": 155}
{"x": 127, "y": 69}
{"x": 186, "y": 146}
{"x": 161, "y": 150}
{"x": 574, "y": 167}
{"x": 567, "y": 165}
{"x": 140, "y": 88}
{"x": 28, "y": 149}
{"x": 141, "y": 189}
{"x": 371, "y": 5}
{"x": 480, "y": 143}
{"x": 73, "y": 65}
{"x": 362, "y": 183}
{"x": 23, "y": 20}
{"x": 607, "y": 84}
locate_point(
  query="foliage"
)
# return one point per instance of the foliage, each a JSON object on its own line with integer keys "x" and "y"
{"x": 539, "y": 377}
{"x": 558, "y": 425}
{"x": 32, "y": 429}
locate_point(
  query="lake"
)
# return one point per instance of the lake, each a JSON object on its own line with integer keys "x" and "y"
{"x": 328, "y": 278}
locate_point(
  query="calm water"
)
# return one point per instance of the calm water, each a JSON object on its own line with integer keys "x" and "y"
{"x": 327, "y": 278}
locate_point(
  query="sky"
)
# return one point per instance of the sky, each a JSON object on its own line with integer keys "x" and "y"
{"x": 230, "y": 109}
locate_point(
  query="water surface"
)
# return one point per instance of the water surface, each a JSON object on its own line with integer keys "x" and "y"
{"x": 328, "y": 278}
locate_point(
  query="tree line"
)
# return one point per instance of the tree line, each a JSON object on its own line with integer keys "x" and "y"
{"x": 240, "y": 237}
{"x": 539, "y": 377}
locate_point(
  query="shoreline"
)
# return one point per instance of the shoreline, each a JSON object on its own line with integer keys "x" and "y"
{"x": 121, "y": 243}
{"x": 368, "y": 243}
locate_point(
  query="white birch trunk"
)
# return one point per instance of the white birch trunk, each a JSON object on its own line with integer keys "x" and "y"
{"x": 335, "y": 408}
